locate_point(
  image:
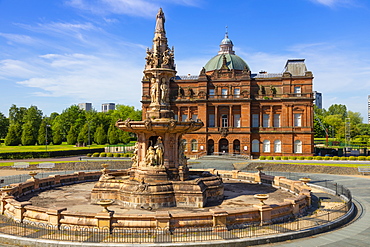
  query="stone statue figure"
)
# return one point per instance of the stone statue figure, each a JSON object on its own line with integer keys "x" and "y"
{"x": 159, "y": 151}
{"x": 154, "y": 91}
{"x": 150, "y": 158}
{"x": 159, "y": 25}
{"x": 164, "y": 91}
{"x": 182, "y": 157}
{"x": 166, "y": 57}
{"x": 149, "y": 57}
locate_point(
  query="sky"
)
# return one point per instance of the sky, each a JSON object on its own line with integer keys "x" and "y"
{"x": 54, "y": 54}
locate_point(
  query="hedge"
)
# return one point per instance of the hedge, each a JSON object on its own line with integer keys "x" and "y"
{"x": 262, "y": 158}
{"x": 51, "y": 154}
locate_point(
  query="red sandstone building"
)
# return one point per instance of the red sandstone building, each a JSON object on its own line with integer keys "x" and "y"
{"x": 244, "y": 113}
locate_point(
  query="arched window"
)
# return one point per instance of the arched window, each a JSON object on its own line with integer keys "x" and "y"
{"x": 277, "y": 146}
{"x": 194, "y": 145}
{"x": 255, "y": 146}
{"x": 297, "y": 147}
{"x": 266, "y": 146}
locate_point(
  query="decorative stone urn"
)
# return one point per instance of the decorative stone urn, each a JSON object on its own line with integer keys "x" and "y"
{"x": 6, "y": 189}
{"x": 32, "y": 174}
{"x": 105, "y": 204}
{"x": 262, "y": 198}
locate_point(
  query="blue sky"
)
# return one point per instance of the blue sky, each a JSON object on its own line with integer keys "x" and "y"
{"x": 57, "y": 53}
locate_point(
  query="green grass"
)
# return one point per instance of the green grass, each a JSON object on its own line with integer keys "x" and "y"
{"x": 321, "y": 164}
{"x": 9, "y": 149}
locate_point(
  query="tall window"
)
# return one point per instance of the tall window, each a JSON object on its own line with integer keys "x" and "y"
{"x": 266, "y": 146}
{"x": 194, "y": 145}
{"x": 297, "y": 147}
{"x": 255, "y": 120}
{"x": 176, "y": 117}
{"x": 266, "y": 120}
{"x": 297, "y": 119}
{"x": 277, "y": 146}
{"x": 194, "y": 117}
{"x": 255, "y": 146}
{"x": 236, "y": 92}
{"x": 211, "y": 93}
{"x": 185, "y": 143}
{"x": 276, "y": 120}
{"x": 237, "y": 120}
{"x": 297, "y": 91}
{"x": 184, "y": 117}
{"x": 224, "y": 121}
{"x": 224, "y": 93}
{"x": 211, "y": 120}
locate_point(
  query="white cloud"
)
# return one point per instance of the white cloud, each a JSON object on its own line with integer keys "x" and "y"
{"x": 18, "y": 38}
{"x": 334, "y": 3}
{"x": 86, "y": 78}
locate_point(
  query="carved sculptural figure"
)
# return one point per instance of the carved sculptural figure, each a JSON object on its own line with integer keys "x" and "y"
{"x": 159, "y": 151}
{"x": 150, "y": 158}
{"x": 159, "y": 26}
{"x": 154, "y": 91}
{"x": 164, "y": 91}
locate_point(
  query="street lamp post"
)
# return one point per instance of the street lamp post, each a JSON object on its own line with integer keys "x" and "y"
{"x": 46, "y": 136}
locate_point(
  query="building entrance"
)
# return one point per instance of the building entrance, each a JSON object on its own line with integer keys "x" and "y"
{"x": 223, "y": 146}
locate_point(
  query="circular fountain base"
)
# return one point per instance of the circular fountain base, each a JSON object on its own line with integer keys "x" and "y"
{"x": 196, "y": 192}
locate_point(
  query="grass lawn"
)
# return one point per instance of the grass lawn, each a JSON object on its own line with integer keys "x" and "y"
{"x": 9, "y": 149}
{"x": 322, "y": 164}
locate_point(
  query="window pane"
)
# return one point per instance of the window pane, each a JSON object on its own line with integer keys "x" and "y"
{"x": 277, "y": 146}
{"x": 194, "y": 117}
{"x": 237, "y": 120}
{"x": 266, "y": 120}
{"x": 224, "y": 93}
{"x": 211, "y": 93}
{"x": 255, "y": 146}
{"x": 276, "y": 120}
{"x": 236, "y": 92}
{"x": 255, "y": 118}
{"x": 266, "y": 146}
{"x": 224, "y": 121}
{"x": 211, "y": 120}
{"x": 184, "y": 117}
{"x": 297, "y": 119}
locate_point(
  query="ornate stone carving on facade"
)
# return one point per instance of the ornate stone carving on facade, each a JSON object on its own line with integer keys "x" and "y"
{"x": 148, "y": 124}
{"x": 159, "y": 151}
{"x": 202, "y": 95}
{"x": 182, "y": 157}
{"x": 154, "y": 90}
{"x": 224, "y": 131}
{"x": 134, "y": 158}
{"x": 245, "y": 93}
{"x": 180, "y": 92}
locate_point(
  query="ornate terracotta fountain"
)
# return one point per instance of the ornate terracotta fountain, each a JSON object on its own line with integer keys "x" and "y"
{"x": 159, "y": 176}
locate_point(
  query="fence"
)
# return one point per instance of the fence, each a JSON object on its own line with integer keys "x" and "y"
{"x": 159, "y": 235}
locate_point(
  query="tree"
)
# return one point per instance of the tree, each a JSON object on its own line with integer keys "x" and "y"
{"x": 83, "y": 136}
{"x": 4, "y": 125}
{"x": 27, "y": 135}
{"x": 125, "y": 137}
{"x": 13, "y": 137}
{"x": 100, "y": 135}
{"x": 16, "y": 114}
{"x": 113, "y": 135}
{"x": 72, "y": 136}
{"x": 57, "y": 136}
{"x": 338, "y": 109}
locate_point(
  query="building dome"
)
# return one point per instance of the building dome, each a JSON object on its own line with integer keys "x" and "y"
{"x": 232, "y": 61}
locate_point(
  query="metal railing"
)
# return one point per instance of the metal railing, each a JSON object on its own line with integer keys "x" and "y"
{"x": 165, "y": 235}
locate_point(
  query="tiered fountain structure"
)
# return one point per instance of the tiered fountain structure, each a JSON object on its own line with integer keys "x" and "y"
{"x": 159, "y": 176}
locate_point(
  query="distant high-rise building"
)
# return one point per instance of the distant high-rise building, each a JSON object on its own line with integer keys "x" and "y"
{"x": 85, "y": 106}
{"x": 108, "y": 106}
{"x": 368, "y": 109}
{"x": 317, "y": 99}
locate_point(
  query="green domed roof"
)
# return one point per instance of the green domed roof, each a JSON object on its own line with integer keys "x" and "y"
{"x": 232, "y": 62}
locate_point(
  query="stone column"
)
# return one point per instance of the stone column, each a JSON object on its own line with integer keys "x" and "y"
{"x": 271, "y": 121}
{"x": 104, "y": 220}
{"x": 265, "y": 214}
{"x": 20, "y": 209}
{"x": 235, "y": 173}
{"x": 163, "y": 220}
{"x": 81, "y": 176}
{"x": 54, "y": 216}
{"x": 3, "y": 202}
{"x": 219, "y": 218}
{"x": 295, "y": 206}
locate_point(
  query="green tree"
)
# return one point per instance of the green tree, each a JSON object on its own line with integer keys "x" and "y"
{"x": 125, "y": 136}
{"x": 338, "y": 109}
{"x": 72, "y": 136}
{"x": 100, "y": 135}
{"x": 57, "y": 136}
{"x": 113, "y": 135}
{"x": 27, "y": 135}
{"x": 4, "y": 125}
{"x": 13, "y": 137}
{"x": 83, "y": 136}
{"x": 16, "y": 114}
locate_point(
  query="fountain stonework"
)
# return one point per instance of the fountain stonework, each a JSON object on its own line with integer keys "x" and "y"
{"x": 159, "y": 176}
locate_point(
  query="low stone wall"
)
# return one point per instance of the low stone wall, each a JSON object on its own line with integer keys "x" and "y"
{"x": 60, "y": 217}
